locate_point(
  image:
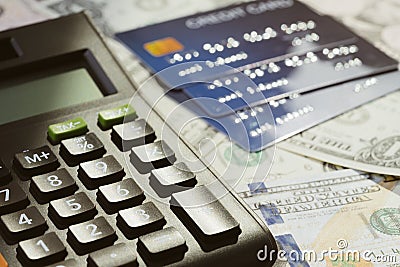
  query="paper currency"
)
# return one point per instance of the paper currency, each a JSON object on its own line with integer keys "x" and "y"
{"x": 343, "y": 211}
{"x": 367, "y": 138}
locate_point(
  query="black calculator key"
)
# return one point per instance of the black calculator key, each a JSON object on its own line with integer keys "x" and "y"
{"x": 120, "y": 195}
{"x": 23, "y": 224}
{"x": 90, "y": 236}
{"x": 41, "y": 251}
{"x": 82, "y": 148}
{"x": 100, "y": 172}
{"x": 139, "y": 220}
{"x": 66, "y": 263}
{"x": 5, "y": 176}
{"x": 12, "y": 198}
{"x": 113, "y": 256}
{"x": 163, "y": 246}
{"x": 53, "y": 185}
{"x": 205, "y": 216}
{"x": 152, "y": 156}
{"x": 170, "y": 179}
{"x": 71, "y": 210}
{"x": 131, "y": 134}
{"x": 36, "y": 161}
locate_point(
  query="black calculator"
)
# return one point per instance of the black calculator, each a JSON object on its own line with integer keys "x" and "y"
{"x": 68, "y": 194}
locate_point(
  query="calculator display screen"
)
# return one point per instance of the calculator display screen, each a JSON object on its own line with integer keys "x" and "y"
{"x": 47, "y": 94}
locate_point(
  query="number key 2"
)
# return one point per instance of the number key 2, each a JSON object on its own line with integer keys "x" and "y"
{"x": 54, "y": 185}
{"x": 90, "y": 236}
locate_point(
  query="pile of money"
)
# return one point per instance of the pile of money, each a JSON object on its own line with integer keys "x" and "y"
{"x": 333, "y": 186}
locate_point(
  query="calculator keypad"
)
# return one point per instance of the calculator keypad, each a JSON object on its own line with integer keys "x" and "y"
{"x": 88, "y": 174}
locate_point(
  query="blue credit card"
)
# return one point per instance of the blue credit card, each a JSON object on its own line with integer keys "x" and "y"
{"x": 259, "y": 127}
{"x": 281, "y": 45}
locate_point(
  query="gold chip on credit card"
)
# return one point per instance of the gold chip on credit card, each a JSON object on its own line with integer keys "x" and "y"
{"x": 162, "y": 47}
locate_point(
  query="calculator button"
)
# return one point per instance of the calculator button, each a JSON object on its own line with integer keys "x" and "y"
{"x": 23, "y": 224}
{"x": 90, "y": 236}
{"x": 37, "y": 161}
{"x": 67, "y": 263}
{"x": 178, "y": 174}
{"x": 120, "y": 195}
{"x": 3, "y": 261}
{"x": 53, "y": 185}
{"x": 111, "y": 117}
{"x": 100, "y": 172}
{"x": 82, "y": 148}
{"x": 131, "y": 134}
{"x": 152, "y": 156}
{"x": 5, "y": 176}
{"x": 139, "y": 220}
{"x": 71, "y": 210}
{"x": 66, "y": 129}
{"x": 204, "y": 215}
{"x": 12, "y": 198}
{"x": 166, "y": 245}
{"x": 114, "y": 256}
{"x": 41, "y": 250}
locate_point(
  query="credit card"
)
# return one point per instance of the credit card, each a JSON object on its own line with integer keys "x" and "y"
{"x": 257, "y": 128}
{"x": 294, "y": 74}
{"x": 283, "y": 46}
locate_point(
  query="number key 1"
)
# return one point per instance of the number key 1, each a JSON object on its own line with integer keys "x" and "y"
{"x": 54, "y": 185}
{"x": 41, "y": 251}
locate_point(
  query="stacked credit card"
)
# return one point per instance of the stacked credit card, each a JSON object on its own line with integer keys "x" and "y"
{"x": 265, "y": 70}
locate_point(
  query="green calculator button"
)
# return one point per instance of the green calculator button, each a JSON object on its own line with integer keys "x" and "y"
{"x": 111, "y": 117}
{"x": 67, "y": 129}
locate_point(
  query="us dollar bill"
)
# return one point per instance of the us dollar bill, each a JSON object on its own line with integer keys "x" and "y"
{"x": 341, "y": 212}
{"x": 366, "y": 138}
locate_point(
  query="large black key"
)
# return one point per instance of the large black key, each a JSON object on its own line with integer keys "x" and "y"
{"x": 135, "y": 133}
{"x": 120, "y": 195}
{"x": 71, "y": 210}
{"x": 205, "y": 217}
{"x": 66, "y": 263}
{"x": 114, "y": 256}
{"x": 41, "y": 251}
{"x": 81, "y": 148}
{"x": 36, "y": 161}
{"x": 53, "y": 185}
{"x": 139, "y": 220}
{"x": 152, "y": 156}
{"x": 5, "y": 176}
{"x": 12, "y": 198}
{"x": 90, "y": 236}
{"x": 100, "y": 172}
{"x": 170, "y": 179}
{"x": 164, "y": 246}
{"x": 23, "y": 224}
